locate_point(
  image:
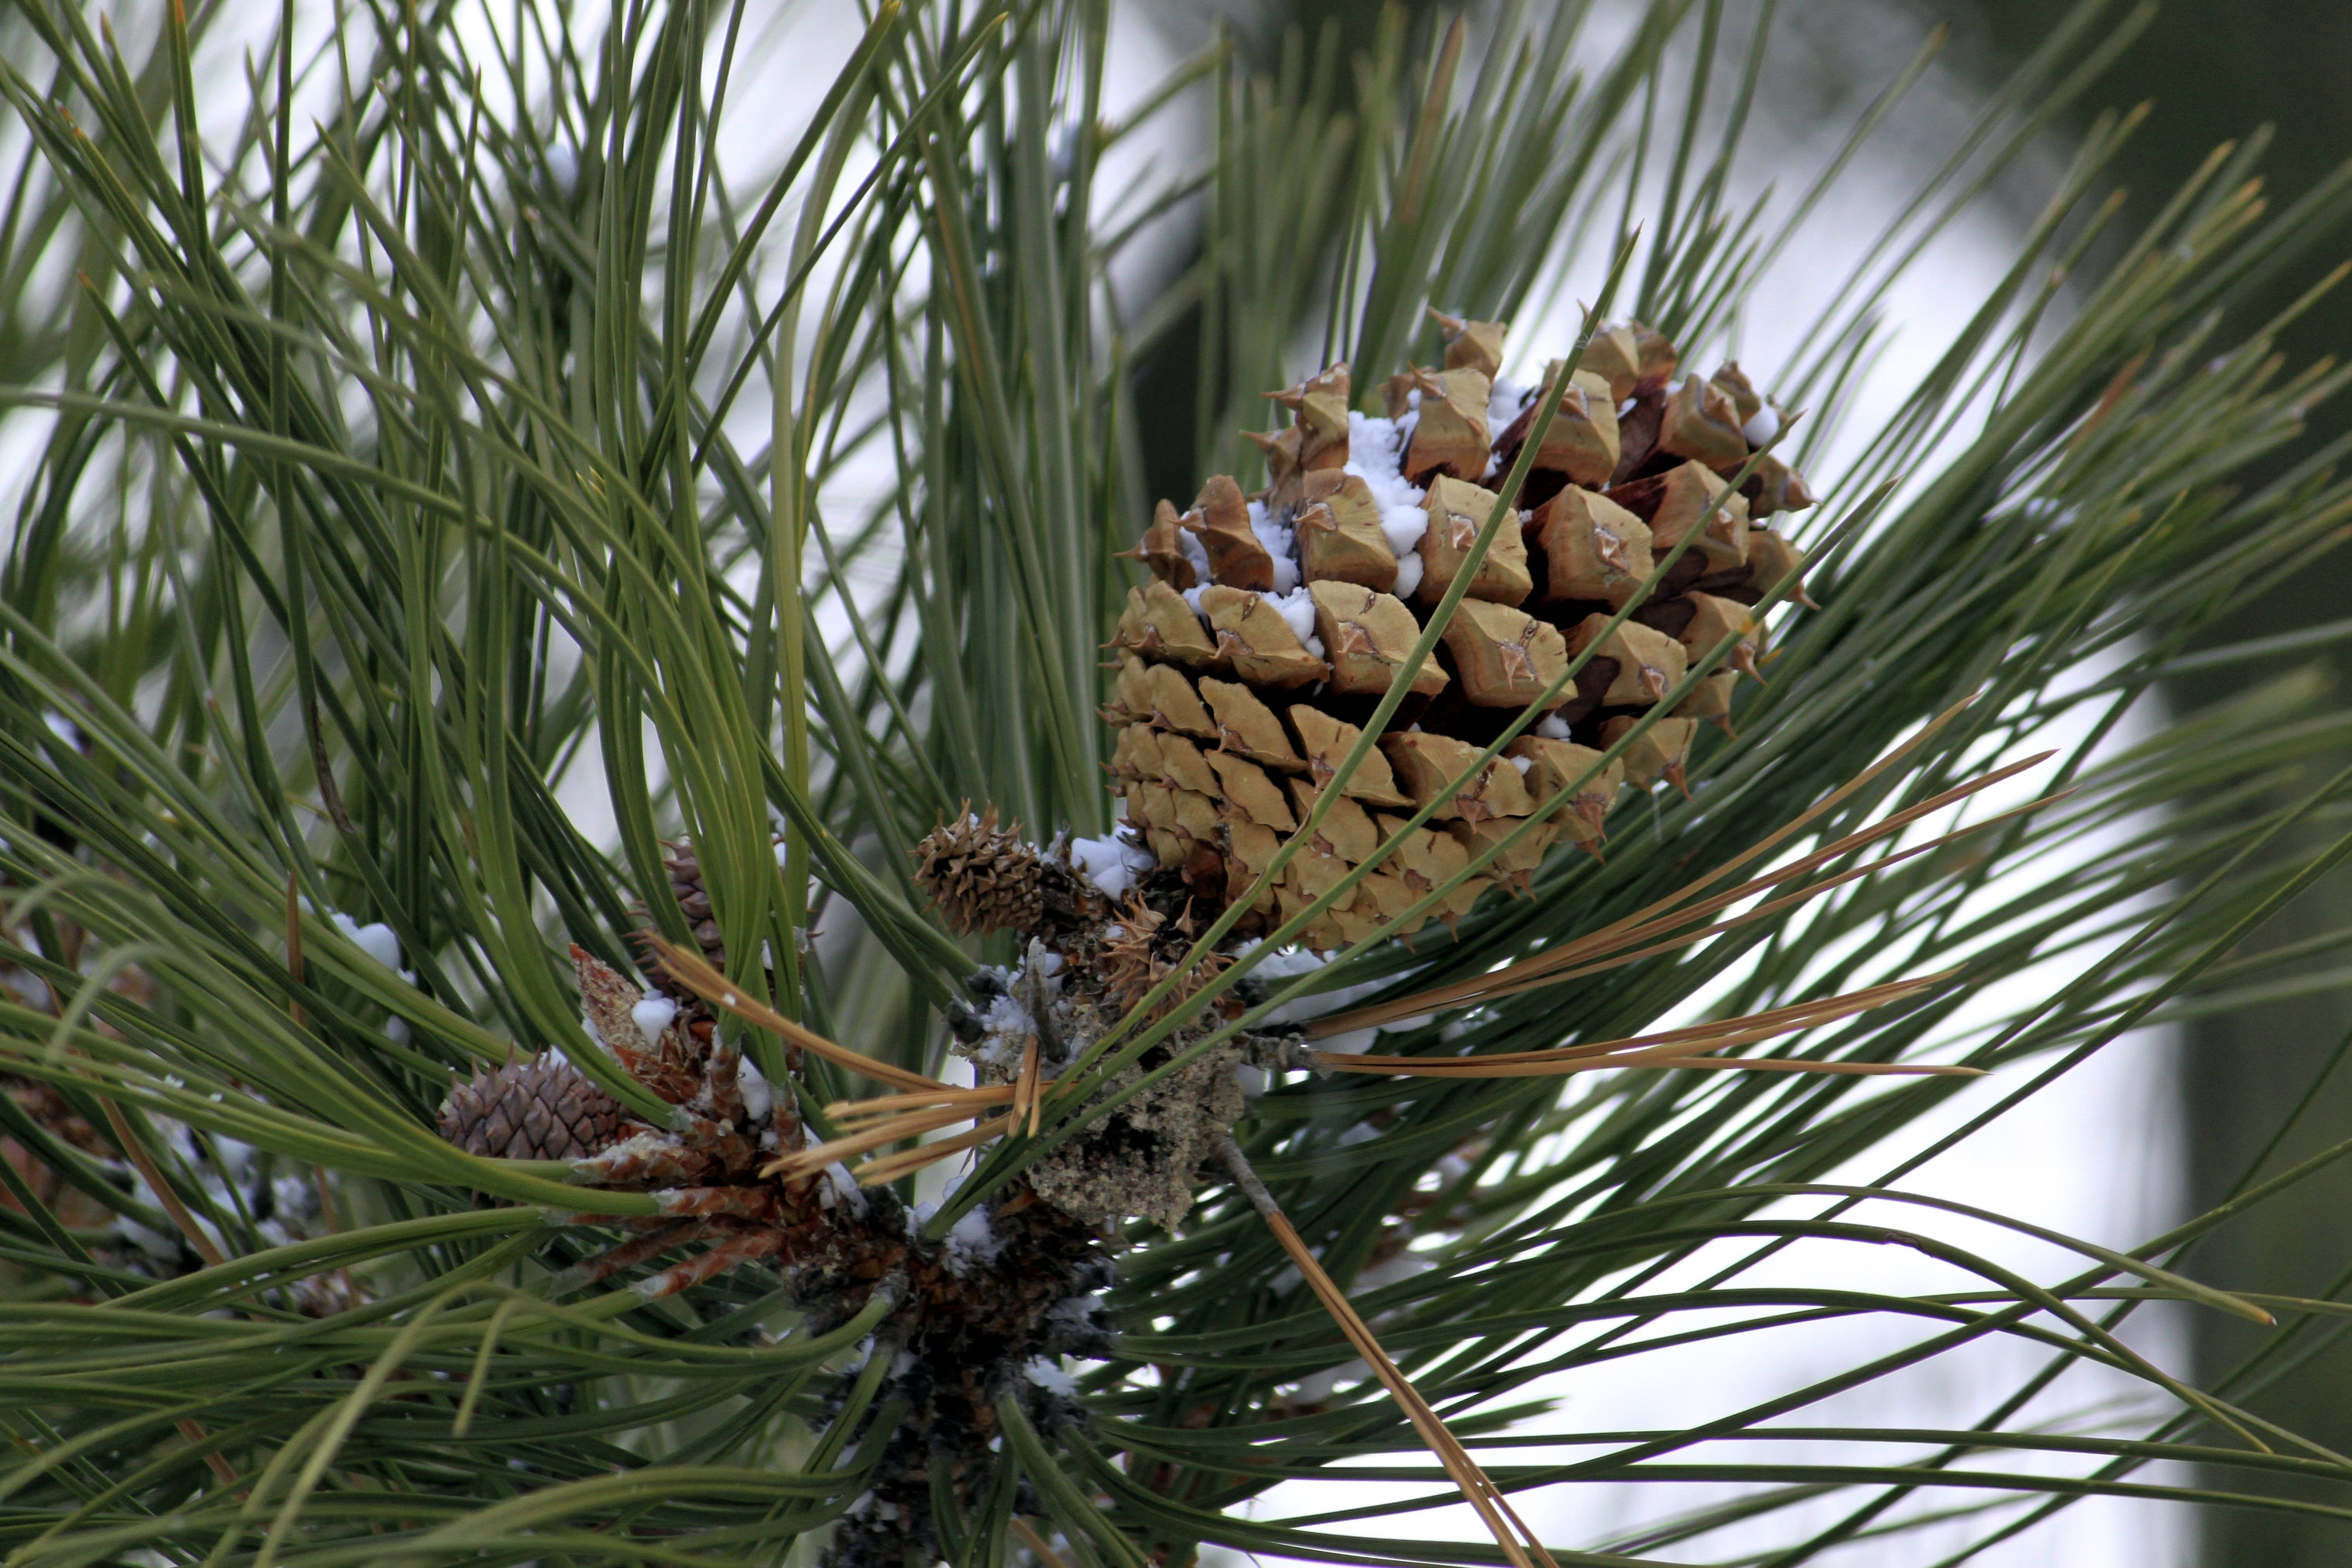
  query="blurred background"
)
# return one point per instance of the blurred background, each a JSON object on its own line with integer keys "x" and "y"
{"x": 2218, "y": 69}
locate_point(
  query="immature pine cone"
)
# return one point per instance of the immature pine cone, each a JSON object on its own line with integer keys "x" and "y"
{"x": 544, "y": 1109}
{"x": 986, "y": 880}
{"x": 694, "y": 900}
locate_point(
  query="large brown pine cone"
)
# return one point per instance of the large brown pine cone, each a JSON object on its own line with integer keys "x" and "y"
{"x": 544, "y": 1109}
{"x": 1275, "y": 622}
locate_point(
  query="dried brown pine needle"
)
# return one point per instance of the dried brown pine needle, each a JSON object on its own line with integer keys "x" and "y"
{"x": 1663, "y": 916}
{"x": 695, "y": 973}
{"x": 1675, "y": 1047}
{"x": 1510, "y": 1532}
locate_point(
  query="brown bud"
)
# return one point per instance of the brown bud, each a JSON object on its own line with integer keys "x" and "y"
{"x": 1131, "y": 701}
{"x": 1582, "y": 440}
{"x": 1770, "y": 558}
{"x": 1382, "y": 897}
{"x": 1171, "y": 849}
{"x": 1249, "y": 849}
{"x": 1320, "y": 405}
{"x": 1733, "y": 382}
{"x": 1658, "y": 360}
{"x": 1308, "y": 878}
{"x": 1197, "y": 816}
{"x": 1347, "y": 832}
{"x": 1220, "y": 517}
{"x": 1281, "y": 450}
{"x": 1504, "y": 657}
{"x": 1774, "y": 486}
{"x": 1340, "y": 534}
{"x": 1593, "y": 549}
{"x": 1700, "y": 621}
{"x": 1457, "y": 510}
{"x": 1426, "y": 860}
{"x": 1366, "y": 635}
{"x": 1711, "y": 698}
{"x": 1136, "y": 755}
{"x": 1516, "y": 861}
{"x": 1151, "y": 803}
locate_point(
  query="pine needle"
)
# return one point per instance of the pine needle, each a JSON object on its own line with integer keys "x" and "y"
{"x": 1655, "y": 919}
{"x": 1518, "y": 1542}
{"x": 1671, "y": 1047}
{"x": 694, "y": 972}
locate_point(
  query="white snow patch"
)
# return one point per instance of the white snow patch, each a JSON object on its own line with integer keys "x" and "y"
{"x": 1523, "y": 764}
{"x": 652, "y": 1016}
{"x": 1281, "y": 541}
{"x": 1552, "y": 726}
{"x": 1762, "y": 426}
{"x": 1111, "y": 864}
{"x": 1504, "y": 404}
{"x": 841, "y": 1187}
{"x": 1297, "y": 608}
{"x": 1049, "y": 1376}
{"x": 1409, "y": 565}
{"x": 1004, "y": 1015}
{"x": 759, "y": 1095}
{"x": 1195, "y": 553}
{"x": 972, "y": 1241}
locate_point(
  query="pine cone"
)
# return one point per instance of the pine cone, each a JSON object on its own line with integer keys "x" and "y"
{"x": 544, "y": 1109}
{"x": 1236, "y": 700}
{"x": 694, "y": 900}
{"x": 986, "y": 880}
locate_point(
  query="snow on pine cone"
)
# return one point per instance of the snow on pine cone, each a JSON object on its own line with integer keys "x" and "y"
{"x": 1274, "y": 624}
{"x": 544, "y": 1109}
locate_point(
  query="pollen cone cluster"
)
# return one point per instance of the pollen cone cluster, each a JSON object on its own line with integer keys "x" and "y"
{"x": 1275, "y": 622}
